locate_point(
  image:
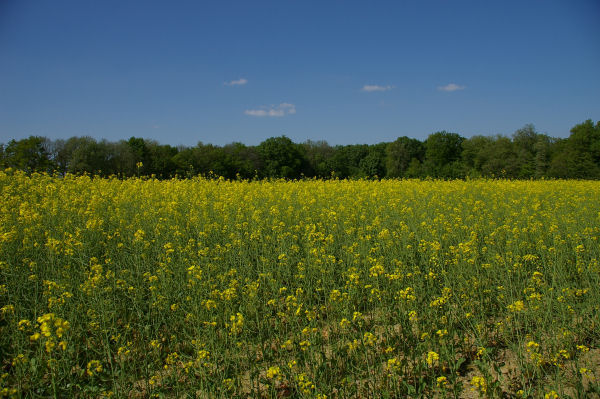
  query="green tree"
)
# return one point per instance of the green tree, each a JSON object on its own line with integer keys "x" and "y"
{"x": 2, "y": 160}
{"x": 543, "y": 152}
{"x": 28, "y": 154}
{"x": 500, "y": 159}
{"x": 345, "y": 161}
{"x": 443, "y": 155}
{"x": 415, "y": 169}
{"x": 319, "y": 156}
{"x": 475, "y": 154}
{"x": 373, "y": 164}
{"x": 203, "y": 159}
{"x": 139, "y": 151}
{"x": 281, "y": 157}
{"x": 585, "y": 138}
{"x": 579, "y": 155}
{"x": 160, "y": 159}
{"x": 400, "y": 154}
{"x": 86, "y": 155}
{"x": 524, "y": 140}
{"x": 242, "y": 161}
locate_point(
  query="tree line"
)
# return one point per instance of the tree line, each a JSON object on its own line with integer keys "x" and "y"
{"x": 526, "y": 154}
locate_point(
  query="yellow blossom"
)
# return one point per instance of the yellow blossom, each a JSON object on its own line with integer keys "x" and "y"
{"x": 432, "y": 358}
{"x": 273, "y": 372}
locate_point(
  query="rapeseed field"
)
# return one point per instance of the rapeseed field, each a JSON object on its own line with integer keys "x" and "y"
{"x": 209, "y": 288}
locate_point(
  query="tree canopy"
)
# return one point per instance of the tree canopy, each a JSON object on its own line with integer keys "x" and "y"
{"x": 526, "y": 154}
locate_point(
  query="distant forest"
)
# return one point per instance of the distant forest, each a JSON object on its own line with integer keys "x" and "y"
{"x": 526, "y": 155}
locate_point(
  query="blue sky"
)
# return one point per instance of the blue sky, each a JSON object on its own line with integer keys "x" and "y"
{"x": 346, "y": 72}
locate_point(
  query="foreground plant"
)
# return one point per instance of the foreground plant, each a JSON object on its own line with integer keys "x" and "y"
{"x": 298, "y": 289}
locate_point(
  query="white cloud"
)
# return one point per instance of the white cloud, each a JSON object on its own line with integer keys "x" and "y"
{"x": 238, "y": 82}
{"x": 369, "y": 88}
{"x": 273, "y": 110}
{"x": 451, "y": 87}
